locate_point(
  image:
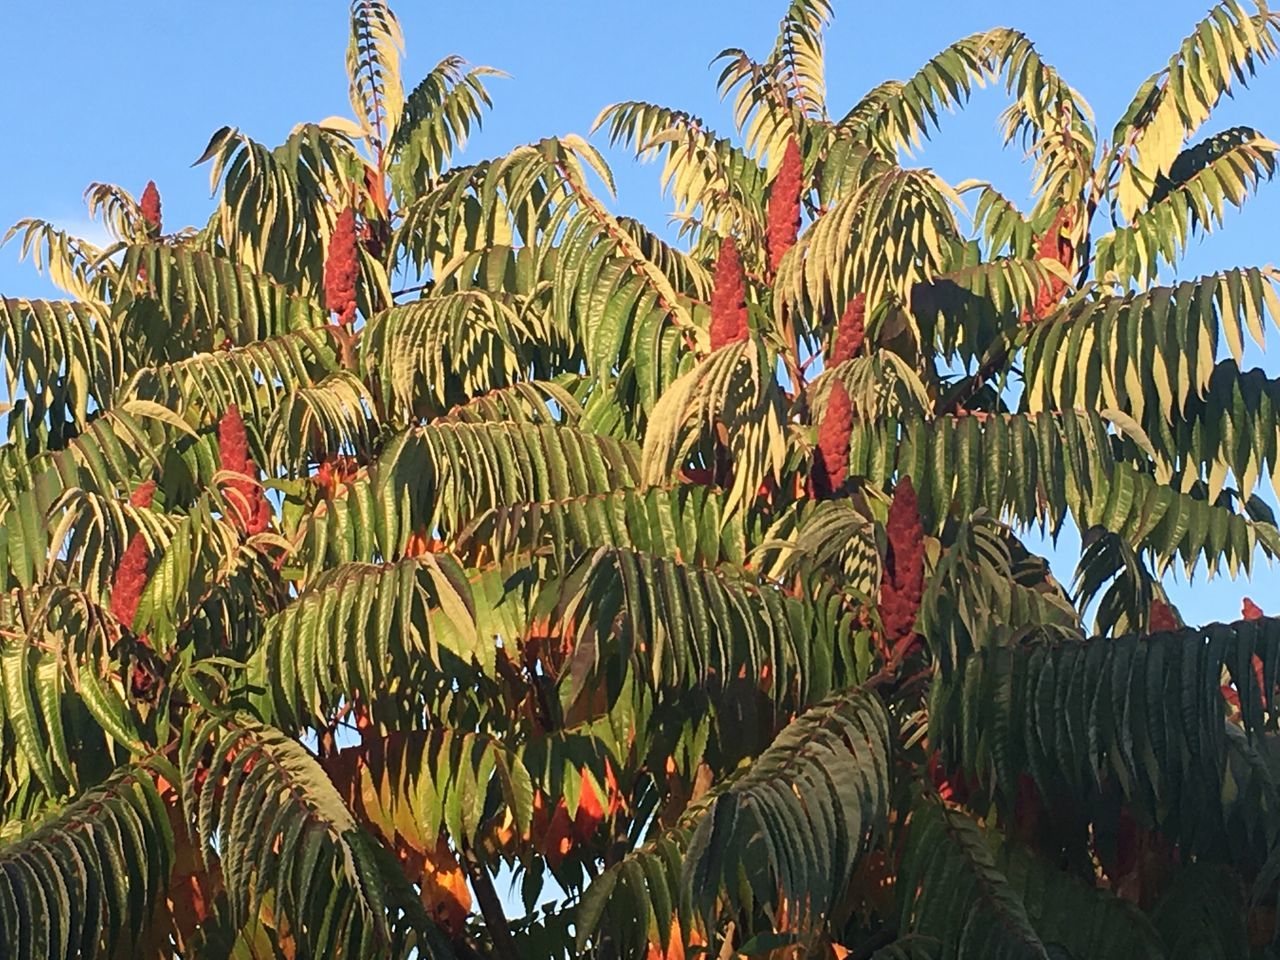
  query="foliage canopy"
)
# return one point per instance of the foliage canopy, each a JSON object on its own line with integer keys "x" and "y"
{"x": 409, "y": 523}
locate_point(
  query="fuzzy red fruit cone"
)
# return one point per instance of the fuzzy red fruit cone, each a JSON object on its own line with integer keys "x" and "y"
{"x": 150, "y": 208}
{"x": 1028, "y": 809}
{"x": 903, "y": 583}
{"x": 729, "y": 298}
{"x": 233, "y": 442}
{"x": 1162, "y": 618}
{"x": 143, "y": 494}
{"x": 131, "y": 572}
{"x": 938, "y": 776}
{"x": 249, "y": 508}
{"x": 1055, "y": 245}
{"x": 1126, "y": 845}
{"x": 831, "y": 460}
{"x": 341, "y": 268}
{"x": 784, "y": 205}
{"x": 851, "y": 332}
{"x": 129, "y": 580}
{"x": 258, "y": 517}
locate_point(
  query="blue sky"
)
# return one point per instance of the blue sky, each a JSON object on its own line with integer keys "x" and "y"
{"x": 136, "y": 89}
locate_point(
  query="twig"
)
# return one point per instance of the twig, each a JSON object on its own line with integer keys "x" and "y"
{"x": 888, "y": 672}
{"x": 429, "y": 285}
{"x": 346, "y": 345}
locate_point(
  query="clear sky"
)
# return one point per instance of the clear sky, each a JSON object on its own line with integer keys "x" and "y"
{"x": 135, "y": 90}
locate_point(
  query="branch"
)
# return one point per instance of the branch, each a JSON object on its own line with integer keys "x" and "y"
{"x": 495, "y": 920}
{"x": 969, "y": 387}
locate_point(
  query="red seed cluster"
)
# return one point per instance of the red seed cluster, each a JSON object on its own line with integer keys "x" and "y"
{"x": 784, "y": 205}
{"x": 831, "y": 462}
{"x": 851, "y": 332}
{"x": 233, "y": 443}
{"x": 151, "y": 208}
{"x": 903, "y": 582}
{"x": 1250, "y": 610}
{"x": 131, "y": 572}
{"x": 129, "y": 581}
{"x": 1162, "y": 617}
{"x": 341, "y": 267}
{"x": 143, "y": 494}
{"x": 1054, "y": 245}
{"x": 729, "y": 298}
{"x": 259, "y": 514}
{"x": 249, "y": 507}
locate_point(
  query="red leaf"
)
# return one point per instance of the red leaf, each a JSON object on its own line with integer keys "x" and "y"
{"x": 590, "y": 810}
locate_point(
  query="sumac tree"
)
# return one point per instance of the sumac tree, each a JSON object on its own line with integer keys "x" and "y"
{"x": 412, "y": 525}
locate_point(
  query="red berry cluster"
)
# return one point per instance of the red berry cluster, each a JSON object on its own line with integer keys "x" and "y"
{"x": 127, "y": 584}
{"x": 903, "y": 583}
{"x": 143, "y": 494}
{"x": 131, "y": 572}
{"x": 341, "y": 268}
{"x": 249, "y": 508}
{"x": 233, "y": 441}
{"x": 851, "y": 332}
{"x": 729, "y": 298}
{"x": 1162, "y": 617}
{"x": 831, "y": 462}
{"x": 784, "y": 205}
{"x": 1054, "y": 245}
{"x": 151, "y": 208}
